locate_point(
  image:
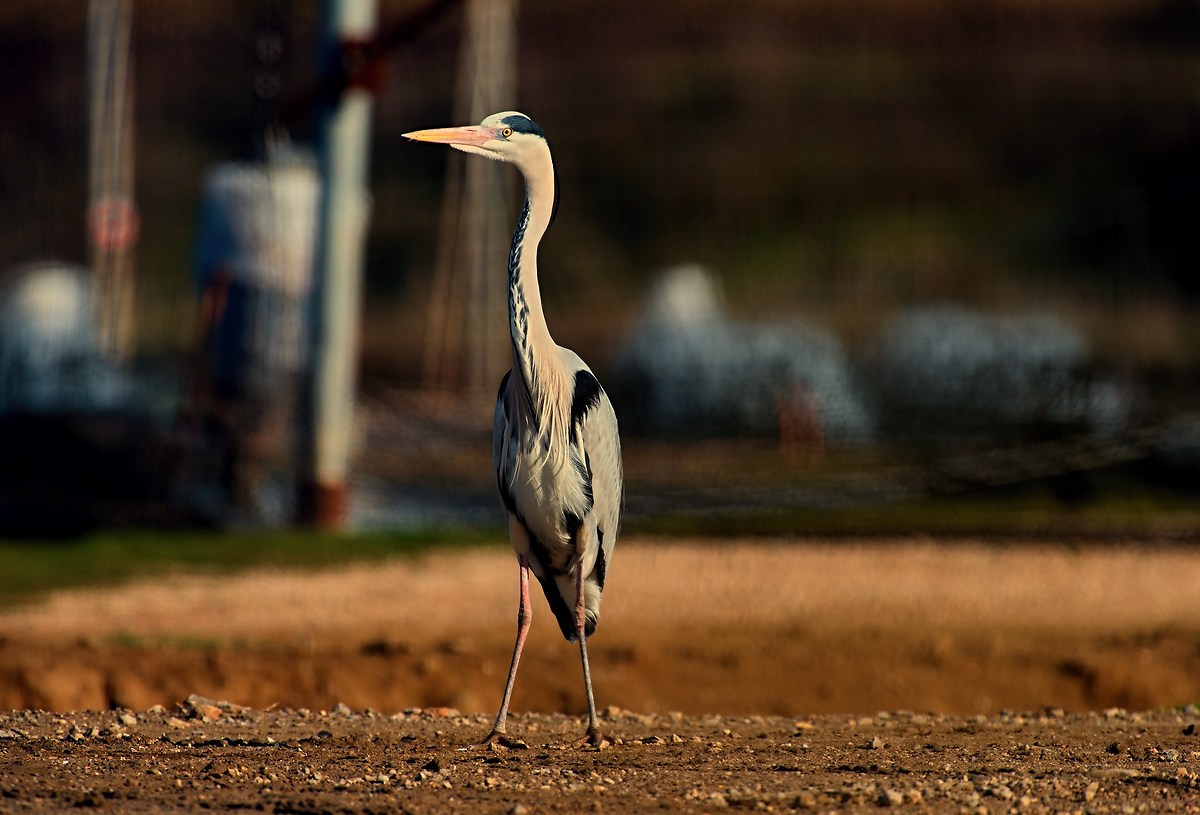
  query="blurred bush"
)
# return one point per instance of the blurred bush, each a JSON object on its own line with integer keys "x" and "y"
{"x": 690, "y": 371}
{"x": 50, "y": 360}
{"x": 950, "y": 373}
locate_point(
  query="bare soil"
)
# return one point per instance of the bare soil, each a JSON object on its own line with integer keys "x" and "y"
{"x": 930, "y": 676}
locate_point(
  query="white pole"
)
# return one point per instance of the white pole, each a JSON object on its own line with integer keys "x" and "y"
{"x": 341, "y": 229}
{"x": 112, "y": 216}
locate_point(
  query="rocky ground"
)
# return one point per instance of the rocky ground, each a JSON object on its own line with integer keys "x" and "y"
{"x": 206, "y": 755}
{"x": 755, "y": 672}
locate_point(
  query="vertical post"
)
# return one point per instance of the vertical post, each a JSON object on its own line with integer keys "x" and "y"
{"x": 112, "y": 220}
{"x": 341, "y": 227}
{"x": 466, "y": 345}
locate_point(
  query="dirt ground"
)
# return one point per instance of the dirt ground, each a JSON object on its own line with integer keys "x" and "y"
{"x": 777, "y": 675}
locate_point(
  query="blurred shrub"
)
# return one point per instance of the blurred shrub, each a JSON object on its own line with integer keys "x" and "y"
{"x": 947, "y": 372}
{"x": 687, "y": 370}
{"x": 49, "y": 357}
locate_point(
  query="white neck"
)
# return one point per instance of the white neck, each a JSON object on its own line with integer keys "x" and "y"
{"x": 535, "y": 354}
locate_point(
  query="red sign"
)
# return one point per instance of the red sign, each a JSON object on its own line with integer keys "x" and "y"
{"x": 113, "y": 223}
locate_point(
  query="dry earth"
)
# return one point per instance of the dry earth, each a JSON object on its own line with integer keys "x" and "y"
{"x": 757, "y": 672}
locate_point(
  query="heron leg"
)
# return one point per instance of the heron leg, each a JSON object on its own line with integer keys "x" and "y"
{"x": 594, "y": 737}
{"x": 524, "y": 618}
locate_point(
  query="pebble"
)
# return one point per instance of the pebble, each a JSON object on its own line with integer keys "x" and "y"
{"x": 890, "y": 798}
{"x": 209, "y": 713}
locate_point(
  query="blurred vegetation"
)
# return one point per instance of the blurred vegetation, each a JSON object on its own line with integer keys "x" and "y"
{"x": 839, "y": 160}
{"x": 29, "y": 568}
{"x": 835, "y": 162}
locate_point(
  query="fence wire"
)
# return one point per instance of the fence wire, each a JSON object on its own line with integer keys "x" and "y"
{"x": 826, "y": 258}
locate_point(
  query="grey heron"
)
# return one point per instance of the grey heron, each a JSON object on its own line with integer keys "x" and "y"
{"x": 555, "y": 445}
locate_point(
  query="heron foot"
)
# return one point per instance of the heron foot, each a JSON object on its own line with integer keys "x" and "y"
{"x": 497, "y": 739}
{"x": 594, "y": 740}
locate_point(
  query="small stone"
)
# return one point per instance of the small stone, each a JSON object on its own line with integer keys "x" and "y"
{"x": 804, "y": 800}
{"x": 876, "y": 744}
{"x": 1190, "y": 730}
{"x": 519, "y": 809}
{"x": 209, "y": 713}
{"x": 1090, "y": 793}
{"x": 178, "y": 723}
{"x": 342, "y": 709}
{"x": 126, "y": 718}
{"x": 1114, "y": 749}
{"x": 890, "y": 798}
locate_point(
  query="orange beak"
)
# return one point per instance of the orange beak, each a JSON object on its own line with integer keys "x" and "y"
{"x": 471, "y": 135}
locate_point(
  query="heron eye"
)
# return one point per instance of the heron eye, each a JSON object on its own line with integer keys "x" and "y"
{"x": 506, "y": 132}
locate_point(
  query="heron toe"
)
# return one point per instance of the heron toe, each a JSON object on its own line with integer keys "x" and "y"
{"x": 497, "y": 739}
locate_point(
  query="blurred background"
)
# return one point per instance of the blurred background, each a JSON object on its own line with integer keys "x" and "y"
{"x": 843, "y": 267}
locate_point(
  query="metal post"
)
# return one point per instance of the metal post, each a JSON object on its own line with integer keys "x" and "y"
{"x": 341, "y": 227}
{"x": 112, "y": 219}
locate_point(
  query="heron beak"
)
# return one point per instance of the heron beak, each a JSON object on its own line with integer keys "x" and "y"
{"x": 470, "y": 136}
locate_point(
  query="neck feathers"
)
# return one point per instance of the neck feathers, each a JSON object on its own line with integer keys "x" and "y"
{"x": 536, "y": 357}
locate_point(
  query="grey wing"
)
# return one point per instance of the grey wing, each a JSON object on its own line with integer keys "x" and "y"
{"x": 595, "y": 424}
{"x": 501, "y": 440}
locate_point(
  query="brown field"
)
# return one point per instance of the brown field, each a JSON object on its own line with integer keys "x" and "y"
{"x": 776, "y": 675}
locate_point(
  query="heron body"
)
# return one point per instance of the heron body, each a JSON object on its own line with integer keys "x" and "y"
{"x": 555, "y": 445}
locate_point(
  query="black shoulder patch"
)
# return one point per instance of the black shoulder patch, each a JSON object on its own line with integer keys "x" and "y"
{"x": 601, "y": 568}
{"x": 572, "y": 522}
{"x": 587, "y": 396}
{"x": 503, "y": 384}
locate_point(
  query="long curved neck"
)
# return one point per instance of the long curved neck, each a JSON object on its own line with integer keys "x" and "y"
{"x": 535, "y": 354}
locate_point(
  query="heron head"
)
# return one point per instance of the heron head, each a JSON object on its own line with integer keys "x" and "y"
{"x": 508, "y": 136}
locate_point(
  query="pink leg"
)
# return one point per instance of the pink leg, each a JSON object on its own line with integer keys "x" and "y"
{"x": 594, "y": 737}
{"x": 524, "y": 618}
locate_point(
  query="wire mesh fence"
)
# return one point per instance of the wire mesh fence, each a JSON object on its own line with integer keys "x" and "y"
{"x": 824, "y": 257}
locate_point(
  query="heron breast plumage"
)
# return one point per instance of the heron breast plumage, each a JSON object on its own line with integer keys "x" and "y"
{"x": 560, "y": 492}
